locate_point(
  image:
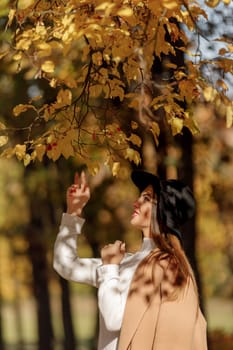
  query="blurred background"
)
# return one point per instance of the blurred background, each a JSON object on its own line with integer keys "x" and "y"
{"x": 40, "y": 310}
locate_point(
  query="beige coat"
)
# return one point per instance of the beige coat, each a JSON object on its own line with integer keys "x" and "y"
{"x": 154, "y": 320}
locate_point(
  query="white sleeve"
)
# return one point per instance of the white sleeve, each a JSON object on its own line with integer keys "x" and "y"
{"x": 111, "y": 301}
{"x": 66, "y": 260}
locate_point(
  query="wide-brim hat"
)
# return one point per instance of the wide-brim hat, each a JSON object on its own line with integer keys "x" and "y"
{"x": 142, "y": 179}
{"x": 176, "y": 203}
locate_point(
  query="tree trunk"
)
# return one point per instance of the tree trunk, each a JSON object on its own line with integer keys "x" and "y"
{"x": 69, "y": 340}
{"x": 37, "y": 254}
{"x": 186, "y": 173}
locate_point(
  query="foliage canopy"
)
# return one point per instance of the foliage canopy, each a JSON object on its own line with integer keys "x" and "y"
{"x": 99, "y": 57}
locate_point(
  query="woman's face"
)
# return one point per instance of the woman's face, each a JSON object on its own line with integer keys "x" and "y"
{"x": 141, "y": 217}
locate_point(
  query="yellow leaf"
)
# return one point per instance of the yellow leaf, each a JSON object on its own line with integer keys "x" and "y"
{"x": 40, "y": 151}
{"x": 230, "y": 48}
{"x": 53, "y": 82}
{"x": 154, "y": 128}
{"x": 162, "y": 46}
{"x": 180, "y": 75}
{"x": 2, "y": 126}
{"x": 44, "y": 49}
{"x": 17, "y": 110}
{"x": 64, "y": 97}
{"x": 40, "y": 29}
{"x": 133, "y": 156}
{"x": 43, "y": 46}
{"x": 53, "y": 151}
{"x": 36, "y": 98}
{"x": 11, "y": 16}
{"x": 68, "y": 151}
{"x": 105, "y": 5}
{"x": 209, "y": 93}
{"x": 187, "y": 90}
{"x": 33, "y": 155}
{"x": 97, "y": 58}
{"x": 117, "y": 91}
{"x": 26, "y": 159}
{"x": 3, "y": 140}
{"x": 95, "y": 27}
{"x": 95, "y": 90}
{"x": 23, "y": 4}
{"x": 212, "y": 3}
{"x": 176, "y": 125}
{"x": 170, "y": 4}
{"x": 66, "y": 144}
{"x": 229, "y": 116}
{"x": 20, "y": 151}
{"x": 115, "y": 168}
{"x": 191, "y": 124}
{"x": 93, "y": 167}
{"x": 135, "y": 139}
{"x": 125, "y": 12}
{"x": 23, "y": 44}
{"x": 170, "y": 65}
{"x": 48, "y": 67}
{"x": 134, "y": 125}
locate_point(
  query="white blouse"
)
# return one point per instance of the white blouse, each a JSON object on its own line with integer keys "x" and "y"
{"x": 112, "y": 281}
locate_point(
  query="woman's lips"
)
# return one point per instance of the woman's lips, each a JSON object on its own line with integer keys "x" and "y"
{"x": 135, "y": 213}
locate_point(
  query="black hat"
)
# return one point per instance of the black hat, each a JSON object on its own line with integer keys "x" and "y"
{"x": 176, "y": 202}
{"x": 142, "y": 179}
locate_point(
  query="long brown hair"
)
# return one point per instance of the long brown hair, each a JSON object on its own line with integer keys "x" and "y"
{"x": 170, "y": 247}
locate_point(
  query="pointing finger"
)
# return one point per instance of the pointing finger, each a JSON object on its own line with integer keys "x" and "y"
{"x": 83, "y": 180}
{"x": 83, "y": 177}
{"x": 76, "y": 178}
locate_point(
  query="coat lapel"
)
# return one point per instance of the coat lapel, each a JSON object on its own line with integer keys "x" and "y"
{"x": 143, "y": 291}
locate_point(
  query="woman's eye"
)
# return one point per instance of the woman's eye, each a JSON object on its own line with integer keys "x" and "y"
{"x": 147, "y": 198}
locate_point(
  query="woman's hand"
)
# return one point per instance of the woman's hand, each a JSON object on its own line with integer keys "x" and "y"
{"x": 77, "y": 195}
{"x": 113, "y": 253}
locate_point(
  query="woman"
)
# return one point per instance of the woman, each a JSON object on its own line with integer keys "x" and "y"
{"x": 162, "y": 310}
{"x": 91, "y": 270}
{"x": 114, "y": 273}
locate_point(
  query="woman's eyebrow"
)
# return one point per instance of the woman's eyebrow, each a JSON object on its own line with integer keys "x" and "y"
{"x": 147, "y": 193}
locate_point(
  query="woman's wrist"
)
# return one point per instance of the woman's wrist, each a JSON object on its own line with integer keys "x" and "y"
{"x": 77, "y": 212}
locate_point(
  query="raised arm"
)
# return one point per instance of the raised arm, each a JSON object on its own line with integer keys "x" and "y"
{"x": 77, "y": 195}
{"x": 66, "y": 260}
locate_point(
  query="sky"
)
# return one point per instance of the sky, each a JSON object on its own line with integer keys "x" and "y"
{"x": 219, "y": 24}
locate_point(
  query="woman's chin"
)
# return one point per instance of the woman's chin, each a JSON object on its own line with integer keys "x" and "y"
{"x": 133, "y": 221}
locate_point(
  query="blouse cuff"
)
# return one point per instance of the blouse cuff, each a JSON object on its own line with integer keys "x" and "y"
{"x": 74, "y": 223}
{"x": 106, "y": 272}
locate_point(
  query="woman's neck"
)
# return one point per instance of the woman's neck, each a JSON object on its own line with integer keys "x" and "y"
{"x": 146, "y": 233}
